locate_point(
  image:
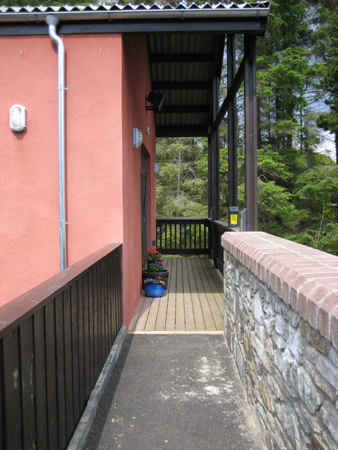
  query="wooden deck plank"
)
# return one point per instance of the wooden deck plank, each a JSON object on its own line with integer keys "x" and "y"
{"x": 198, "y": 313}
{"x": 214, "y": 296}
{"x": 171, "y": 308}
{"x": 208, "y": 317}
{"x": 152, "y": 316}
{"x": 180, "y": 313}
{"x": 217, "y": 287}
{"x": 162, "y": 313}
{"x": 163, "y": 307}
{"x": 136, "y": 314}
{"x": 143, "y": 316}
{"x": 215, "y": 311}
{"x": 188, "y": 308}
{"x": 193, "y": 302}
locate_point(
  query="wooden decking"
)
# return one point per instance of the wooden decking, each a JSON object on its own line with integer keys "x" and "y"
{"x": 193, "y": 302}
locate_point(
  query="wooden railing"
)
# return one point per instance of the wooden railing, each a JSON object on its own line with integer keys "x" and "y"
{"x": 191, "y": 236}
{"x": 54, "y": 341}
{"x": 182, "y": 235}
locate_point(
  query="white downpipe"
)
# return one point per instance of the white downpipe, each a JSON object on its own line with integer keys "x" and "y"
{"x": 52, "y": 22}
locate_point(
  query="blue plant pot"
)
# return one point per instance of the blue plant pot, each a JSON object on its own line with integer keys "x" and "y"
{"x": 153, "y": 289}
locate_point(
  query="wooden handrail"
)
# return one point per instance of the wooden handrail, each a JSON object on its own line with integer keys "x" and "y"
{"x": 25, "y": 305}
{"x": 56, "y": 338}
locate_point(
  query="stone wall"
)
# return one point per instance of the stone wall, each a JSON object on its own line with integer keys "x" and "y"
{"x": 281, "y": 305}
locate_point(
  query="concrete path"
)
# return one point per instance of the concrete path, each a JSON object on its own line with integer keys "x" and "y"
{"x": 174, "y": 392}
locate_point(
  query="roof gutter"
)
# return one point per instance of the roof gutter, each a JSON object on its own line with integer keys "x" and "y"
{"x": 52, "y": 22}
{"x": 37, "y": 16}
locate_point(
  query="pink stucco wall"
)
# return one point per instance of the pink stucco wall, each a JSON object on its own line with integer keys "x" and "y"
{"x": 28, "y": 181}
{"x": 136, "y": 87}
{"x": 107, "y": 79}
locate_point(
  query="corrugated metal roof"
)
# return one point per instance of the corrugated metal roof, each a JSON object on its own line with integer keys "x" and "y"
{"x": 130, "y": 7}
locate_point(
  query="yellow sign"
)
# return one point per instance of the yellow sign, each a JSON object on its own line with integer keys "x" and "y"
{"x": 233, "y": 219}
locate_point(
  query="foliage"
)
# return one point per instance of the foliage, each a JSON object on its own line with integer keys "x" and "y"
{"x": 156, "y": 267}
{"x": 183, "y": 178}
{"x": 326, "y": 47}
{"x": 297, "y": 187}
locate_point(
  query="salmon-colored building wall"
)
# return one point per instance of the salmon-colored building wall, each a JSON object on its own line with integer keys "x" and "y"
{"x": 29, "y": 180}
{"x": 107, "y": 79}
{"x": 136, "y": 87}
{"x": 94, "y": 142}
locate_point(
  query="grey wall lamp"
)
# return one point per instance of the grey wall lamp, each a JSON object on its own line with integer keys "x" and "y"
{"x": 156, "y": 99}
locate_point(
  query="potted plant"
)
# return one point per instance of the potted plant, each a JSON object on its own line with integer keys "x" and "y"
{"x": 154, "y": 287}
{"x": 153, "y": 257}
{"x": 155, "y": 268}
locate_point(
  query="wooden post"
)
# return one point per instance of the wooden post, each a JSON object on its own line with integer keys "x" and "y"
{"x": 250, "y": 125}
{"x": 232, "y": 122}
{"x": 215, "y": 140}
{"x": 210, "y": 177}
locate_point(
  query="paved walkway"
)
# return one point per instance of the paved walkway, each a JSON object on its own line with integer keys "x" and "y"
{"x": 174, "y": 392}
{"x": 192, "y": 303}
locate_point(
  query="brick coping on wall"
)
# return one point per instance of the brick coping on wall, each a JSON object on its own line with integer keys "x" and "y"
{"x": 305, "y": 278}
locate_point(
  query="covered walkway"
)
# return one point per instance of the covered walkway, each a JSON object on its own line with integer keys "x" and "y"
{"x": 174, "y": 392}
{"x": 175, "y": 385}
{"x": 193, "y": 302}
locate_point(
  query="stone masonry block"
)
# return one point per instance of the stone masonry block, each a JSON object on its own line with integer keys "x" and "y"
{"x": 308, "y": 391}
{"x": 330, "y": 417}
{"x": 323, "y": 364}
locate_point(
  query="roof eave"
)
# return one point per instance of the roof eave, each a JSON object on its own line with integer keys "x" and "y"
{"x": 181, "y": 14}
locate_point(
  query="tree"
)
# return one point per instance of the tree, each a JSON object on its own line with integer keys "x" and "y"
{"x": 326, "y": 47}
{"x": 183, "y": 178}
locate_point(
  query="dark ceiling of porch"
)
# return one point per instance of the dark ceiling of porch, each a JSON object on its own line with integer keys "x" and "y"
{"x": 183, "y": 67}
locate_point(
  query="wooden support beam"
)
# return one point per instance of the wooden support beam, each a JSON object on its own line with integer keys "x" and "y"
{"x": 181, "y": 131}
{"x": 236, "y": 84}
{"x": 250, "y": 133}
{"x": 210, "y": 177}
{"x": 215, "y": 140}
{"x": 181, "y": 85}
{"x": 184, "y": 109}
{"x": 181, "y": 57}
{"x": 232, "y": 122}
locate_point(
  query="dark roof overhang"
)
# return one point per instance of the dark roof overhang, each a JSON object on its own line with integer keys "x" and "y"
{"x": 185, "y": 43}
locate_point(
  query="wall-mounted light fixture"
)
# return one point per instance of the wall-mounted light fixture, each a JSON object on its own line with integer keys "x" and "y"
{"x": 156, "y": 99}
{"x": 137, "y": 138}
{"x": 17, "y": 118}
{"x": 156, "y": 168}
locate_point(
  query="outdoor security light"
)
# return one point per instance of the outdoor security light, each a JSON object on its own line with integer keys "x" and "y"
{"x": 137, "y": 138}
{"x": 17, "y": 118}
{"x": 156, "y": 99}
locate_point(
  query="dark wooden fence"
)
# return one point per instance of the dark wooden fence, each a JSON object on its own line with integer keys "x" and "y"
{"x": 54, "y": 341}
{"x": 182, "y": 235}
{"x": 191, "y": 236}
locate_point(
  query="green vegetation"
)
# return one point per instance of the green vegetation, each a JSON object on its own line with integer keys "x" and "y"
{"x": 297, "y": 87}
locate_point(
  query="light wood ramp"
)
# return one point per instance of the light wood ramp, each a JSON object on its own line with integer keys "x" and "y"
{"x": 193, "y": 302}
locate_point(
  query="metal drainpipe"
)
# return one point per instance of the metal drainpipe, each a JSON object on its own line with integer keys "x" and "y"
{"x": 52, "y": 22}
